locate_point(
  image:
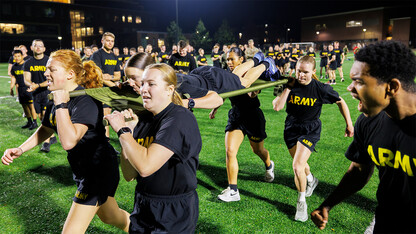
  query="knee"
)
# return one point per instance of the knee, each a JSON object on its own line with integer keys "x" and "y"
{"x": 231, "y": 152}
{"x": 107, "y": 218}
{"x": 298, "y": 168}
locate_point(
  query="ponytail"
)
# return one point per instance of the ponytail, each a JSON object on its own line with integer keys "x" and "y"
{"x": 176, "y": 98}
{"x": 314, "y": 76}
{"x": 92, "y": 77}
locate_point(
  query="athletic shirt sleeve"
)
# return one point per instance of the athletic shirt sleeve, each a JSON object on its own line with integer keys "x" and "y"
{"x": 330, "y": 95}
{"x": 356, "y": 151}
{"x": 84, "y": 111}
{"x": 180, "y": 133}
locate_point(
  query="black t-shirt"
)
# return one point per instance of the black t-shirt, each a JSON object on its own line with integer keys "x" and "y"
{"x": 311, "y": 54}
{"x": 287, "y": 52}
{"x": 304, "y": 103}
{"x": 93, "y": 149}
{"x": 245, "y": 103}
{"x": 108, "y": 62}
{"x": 390, "y": 145}
{"x": 17, "y": 72}
{"x": 270, "y": 54}
{"x": 278, "y": 55}
{"x": 294, "y": 56}
{"x": 324, "y": 55}
{"x": 186, "y": 63}
{"x": 176, "y": 129}
{"x": 330, "y": 54}
{"x": 164, "y": 57}
{"x": 126, "y": 57}
{"x": 202, "y": 59}
{"x": 338, "y": 53}
{"x": 205, "y": 78}
{"x": 37, "y": 68}
{"x": 217, "y": 62}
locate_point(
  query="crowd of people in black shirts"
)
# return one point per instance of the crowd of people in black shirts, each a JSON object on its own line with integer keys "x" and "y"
{"x": 161, "y": 150}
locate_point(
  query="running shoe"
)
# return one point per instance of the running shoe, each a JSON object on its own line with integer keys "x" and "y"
{"x": 34, "y": 125}
{"x": 301, "y": 211}
{"x": 28, "y": 124}
{"x": 269, "y": 175}
{"x": 46, "y": 147}
{"x": 311, "y": 186}
{"x": 53, "y": 140}
{"x": 229, "y": 195}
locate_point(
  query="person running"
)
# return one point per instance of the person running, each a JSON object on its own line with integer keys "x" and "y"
{"x": 340, "y": 56}
{"x": 25, "y": 98}
{"x": 286, "y": 56}
{"x": 332, "y": 65}
{"x": 294, "y": 57}
{"x": 324, "y": 61}
{"x": 78, "y": 123}
{"x": 162, "y": 154}
{"x": 279, "y": 59}
{"x": 304, "y": 98}
{"x": 244, "y": 118}
{"x": 201, "y": 60}
{"x": 182, "y": 61}
{"x": 384, "y": 137}
{"x": 33, "y": 73}
{"x": 108, "y": 62}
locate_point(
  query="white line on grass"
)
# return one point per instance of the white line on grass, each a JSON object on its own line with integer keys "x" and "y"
{"x": 5, "y": 77}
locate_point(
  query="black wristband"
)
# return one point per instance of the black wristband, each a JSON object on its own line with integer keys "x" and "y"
{"x": 123, "y": 130}
{"x": 191, "y": 103}
{"x": 62, "y": 105}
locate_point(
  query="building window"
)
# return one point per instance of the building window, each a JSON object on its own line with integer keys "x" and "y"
{"x": 354, "y": 23}
{"x": 130, "y": 19}
{"x": 138, "y": 20}
{"x": 61, "y": 1}
{"x": 123, "y": 18}
{"x": 12, "y": 28}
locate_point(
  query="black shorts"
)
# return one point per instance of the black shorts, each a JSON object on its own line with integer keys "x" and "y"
{"x": 252, "y": 123}
{"x": 106, "y": 106}
{"x": 24, "y": 96}
{"x": 40, "y": 100}
{"x": 280, "y": 62}
{"x": 333, "y": 65}
{"x": 100, "y": 181}
{"x": 164, "y": 214}
{"x": 287, "y": 60}
{"x": 339, "y": 64}
{"x": 307, "y": 134}
{"x": 324, "y": 62}
{"x": 292, "y": 65}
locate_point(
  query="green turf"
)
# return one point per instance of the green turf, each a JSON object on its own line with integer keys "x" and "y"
{"x": 36, "y": 190}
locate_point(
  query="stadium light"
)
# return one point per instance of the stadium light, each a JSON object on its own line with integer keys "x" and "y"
{"x": 147, "y": 38}
{"x": 288, "y": 29}
{"x": 317, "y": 32}
{"x": 60, "y": 38}
{"x": 240, "y": 35}
{"x": 364, "y": 29}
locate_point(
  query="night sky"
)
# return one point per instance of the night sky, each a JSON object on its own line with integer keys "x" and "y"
{"x": 242, "y": 12}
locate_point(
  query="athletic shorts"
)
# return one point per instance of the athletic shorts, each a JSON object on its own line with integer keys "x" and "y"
{"x": 24, "y": 96}
{"x": 339, "y": 64}
{"x": 106, "y": 106}
{"x": 307, "y": 134}
{"x": 164, "y": 214}
{"x": 292, "y": 65}
{"x": 324, "y": 63}
{"x": 40, "y": 100}
{"x": 99, "y": 183}
{"x": 287, "y": 60}
{"x": 252, "y": 123}
{"x": 333, "y": 65}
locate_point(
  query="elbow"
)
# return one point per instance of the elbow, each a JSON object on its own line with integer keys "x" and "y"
{"x": 145, "y": 173}
{"x": 68, "y": 145}
{"x": 219, "y": 102}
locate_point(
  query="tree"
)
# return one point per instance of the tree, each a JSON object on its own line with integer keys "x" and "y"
{"x": 224, "y": 35}
{"x": 200, "y": 38}
{"x": 174, "y": 33}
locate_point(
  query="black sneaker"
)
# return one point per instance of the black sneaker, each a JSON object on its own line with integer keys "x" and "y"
{"x": 53, "y": 140}
{"x": 46, "y": 147}
{"x": 27, "y": 125}
{"x": 34, "y": 125}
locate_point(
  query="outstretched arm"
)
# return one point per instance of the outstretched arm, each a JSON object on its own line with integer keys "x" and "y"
{"x": 353, "y": 181}
{"x": 345, "y": 112}
{"x": 210, "y": 101}
{"x": 279, "y": 101}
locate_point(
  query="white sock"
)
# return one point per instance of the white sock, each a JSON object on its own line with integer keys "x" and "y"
{"x": 309, "y": 177}
{"x": 301, "y": 196}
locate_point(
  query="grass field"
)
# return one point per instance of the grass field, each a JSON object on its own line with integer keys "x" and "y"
{"x": 36, "y": 190}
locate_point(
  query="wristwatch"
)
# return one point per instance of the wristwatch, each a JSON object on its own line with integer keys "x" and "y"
{"x": 123, "y": 130}
{"x": 62, "y": 105}
{"x": 191, "y": 103}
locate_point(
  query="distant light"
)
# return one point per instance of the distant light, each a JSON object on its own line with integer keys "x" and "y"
{"x": 265, "y": 40}
{"x": 317, "y": 32}
{"x": 59, "y": 38}
{"x": 288, "y": 29}
{"x": 197, "y": 31}
{"x": 147, "y": 38}
{"x": 204, "y": 37}
{"x": 364, "y": 29}
{"x": 266, "y": 25}
{"x": 358, "y": 23}
{"x": 240, "y": 35}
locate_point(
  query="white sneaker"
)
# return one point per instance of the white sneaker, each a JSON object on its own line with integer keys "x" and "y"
{"x": 269, "y": 175}
{"x": 301, "y": 211}
{"x": 311, "y": 186}
{"x": 229, "y": 195}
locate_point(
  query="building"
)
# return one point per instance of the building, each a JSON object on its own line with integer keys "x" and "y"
{"x": 376, "y": 24}
{"x": 70, "y": 23}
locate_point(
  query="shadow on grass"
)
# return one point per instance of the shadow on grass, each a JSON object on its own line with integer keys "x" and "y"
{"x": 322, "y": 190}
{"x": 61, "y": 174}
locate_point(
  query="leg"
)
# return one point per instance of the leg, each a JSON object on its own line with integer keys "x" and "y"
{"x": 26, "y": 110}
{"x": 300, "y": 159}
{"x": 241, "y": 69}
{"x": 79, "y": 217}
{"x": 110, "y": 213}
{"x": 252, "y": 75}
{"x": 33, "y": 112}
{"x": 341, "y": 74}
{"x": 263, "y": 153}
{"x": 233, "y": 140}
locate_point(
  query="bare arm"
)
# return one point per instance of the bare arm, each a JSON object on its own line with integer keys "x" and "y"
{"x": 353, "y": 181}
{"x": 280, "y": 101}
{"x": 209, "y": 101}
{"x": 12, "y": 84}
{"x": 345, "y": 112}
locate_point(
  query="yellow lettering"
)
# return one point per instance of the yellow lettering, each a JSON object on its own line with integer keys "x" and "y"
{"x": 385, "y": 160}
{"x": 304, "y": 101}
{"x": 371, "y": 153}
{"x": 308, "y": 143}
{"x": 297, "y": 99}
{"x": 145, "y": 142}
{"x": 37, "y": 68}
{"x": 81, "y": 195}
{"x": 291, "y": 99}
{"x": 313, "y": 101}
{"x": 404, "y": 163}
{"x": 110, "y": 62}
{"x": 18, "y": 72}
